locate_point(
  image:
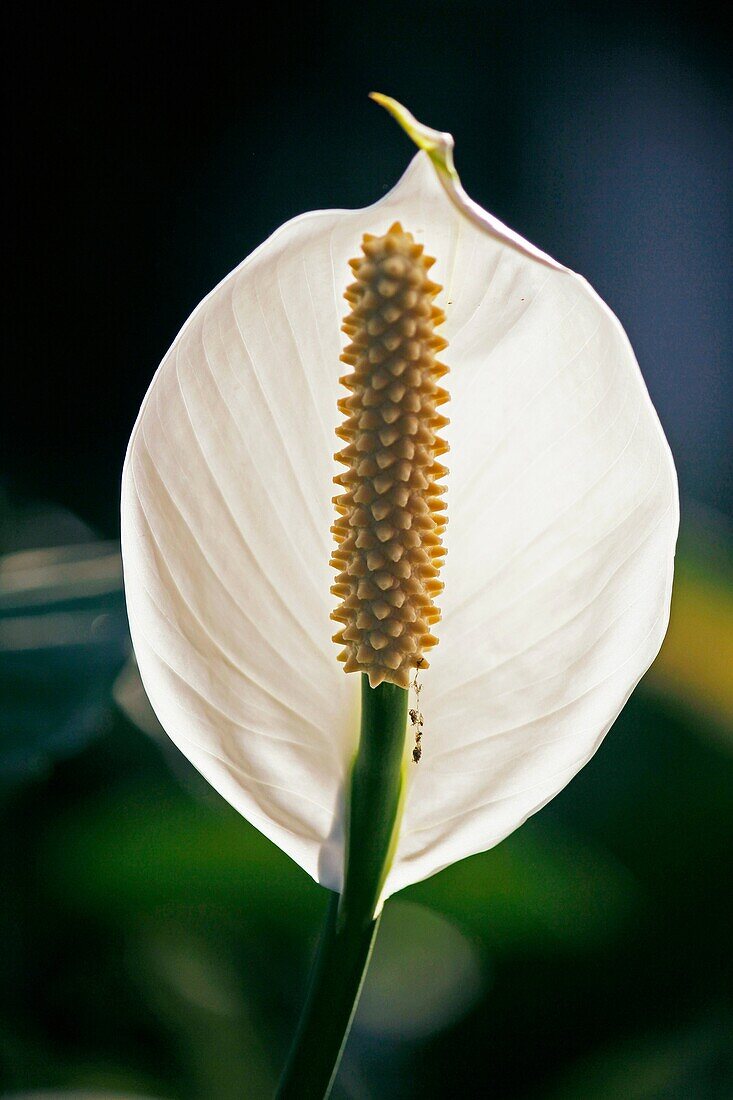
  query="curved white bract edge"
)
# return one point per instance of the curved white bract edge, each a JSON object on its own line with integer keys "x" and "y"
{"x": 563, "y": 515}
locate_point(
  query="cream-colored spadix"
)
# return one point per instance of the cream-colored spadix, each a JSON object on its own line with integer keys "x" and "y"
{"x": 563, "y": 516}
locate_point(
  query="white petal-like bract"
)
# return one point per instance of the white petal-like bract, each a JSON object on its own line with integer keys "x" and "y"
{"x": 562, "y": 505}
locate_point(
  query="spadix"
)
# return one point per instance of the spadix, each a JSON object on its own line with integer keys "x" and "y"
{"x": 388, "y": 532}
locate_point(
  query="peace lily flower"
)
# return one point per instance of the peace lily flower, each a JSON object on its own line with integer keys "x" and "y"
{"x": 553, "y": 598}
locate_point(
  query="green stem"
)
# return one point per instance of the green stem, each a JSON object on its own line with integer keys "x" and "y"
{"x": 373, "y": 814}
{"x": 335, "y": 985}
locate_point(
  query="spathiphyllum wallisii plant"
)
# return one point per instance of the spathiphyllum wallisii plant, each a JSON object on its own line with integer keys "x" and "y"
{"x": 283, "y": 598}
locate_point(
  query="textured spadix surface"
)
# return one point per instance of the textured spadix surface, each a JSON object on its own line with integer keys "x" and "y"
{"x": 390, "y": 512}
{"x": 563, "y": 517}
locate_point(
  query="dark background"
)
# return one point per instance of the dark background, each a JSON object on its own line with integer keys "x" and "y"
{"x": 152, "y": 943}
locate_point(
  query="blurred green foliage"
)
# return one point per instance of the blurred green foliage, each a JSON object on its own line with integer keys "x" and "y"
{"x": 63, "y": 636}
{"x": 156, "y": 945}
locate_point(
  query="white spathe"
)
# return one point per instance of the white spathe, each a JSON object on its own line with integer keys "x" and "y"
{"x": 563, "y": 515}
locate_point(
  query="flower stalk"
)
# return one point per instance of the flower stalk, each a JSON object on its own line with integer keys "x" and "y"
{"x": 374, "y": 809}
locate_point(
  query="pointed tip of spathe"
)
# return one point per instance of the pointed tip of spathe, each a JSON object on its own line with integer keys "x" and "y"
{"x": 378, "y": 97}
{"x": 437, "y": 144}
